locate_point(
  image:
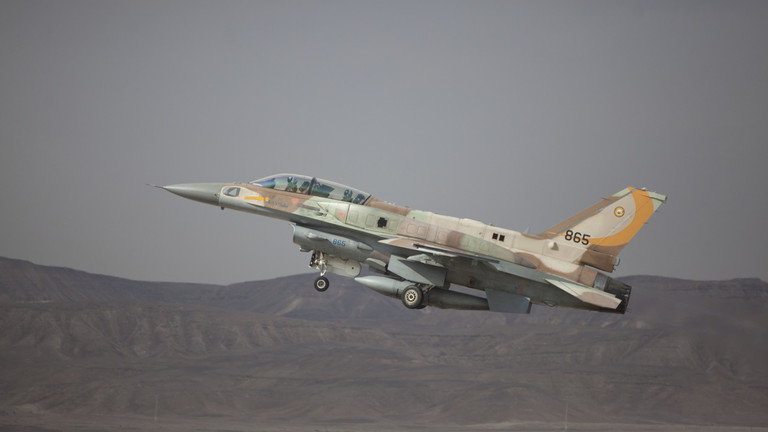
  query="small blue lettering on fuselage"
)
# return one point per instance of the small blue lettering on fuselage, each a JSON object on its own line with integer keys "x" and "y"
{"x": 342, "y": 243}
{"x": 279, "y": 203}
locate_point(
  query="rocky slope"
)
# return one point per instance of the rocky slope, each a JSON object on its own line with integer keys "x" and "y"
{"x": 277, "y": 352}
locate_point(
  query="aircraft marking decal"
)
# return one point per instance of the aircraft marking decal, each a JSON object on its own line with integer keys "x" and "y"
{"x": 380, "y": 256}
{"x": 577, "y": 237}
{"x": 643, "y": 211}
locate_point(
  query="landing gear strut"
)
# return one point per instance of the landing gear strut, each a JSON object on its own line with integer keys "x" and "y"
{"x": 318, "y": 261}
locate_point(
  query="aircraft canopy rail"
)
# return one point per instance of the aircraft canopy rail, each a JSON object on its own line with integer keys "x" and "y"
{"x": 313, "y": 186}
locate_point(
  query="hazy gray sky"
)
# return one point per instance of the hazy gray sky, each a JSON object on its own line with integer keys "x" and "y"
{"x": 514, "y": 113}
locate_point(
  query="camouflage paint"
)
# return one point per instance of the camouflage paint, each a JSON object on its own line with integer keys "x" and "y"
{"x": 557, "y": 267}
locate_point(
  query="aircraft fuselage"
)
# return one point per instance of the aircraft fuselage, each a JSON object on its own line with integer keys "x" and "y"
{"x": 346, "y": 228}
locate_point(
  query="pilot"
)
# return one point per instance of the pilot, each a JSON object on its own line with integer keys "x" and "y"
{"x": 291, "y": 185}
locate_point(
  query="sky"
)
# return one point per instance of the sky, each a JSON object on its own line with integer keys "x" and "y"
{"x": 515, "y": 113}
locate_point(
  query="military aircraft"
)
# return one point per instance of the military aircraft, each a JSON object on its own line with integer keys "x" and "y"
{"x": 416, "y": 255}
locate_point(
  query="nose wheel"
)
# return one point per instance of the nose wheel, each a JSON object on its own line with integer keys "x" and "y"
{"x": 321, "y": 283}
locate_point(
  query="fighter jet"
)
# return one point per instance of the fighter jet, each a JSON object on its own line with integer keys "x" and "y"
{"x": 416, "y": 256}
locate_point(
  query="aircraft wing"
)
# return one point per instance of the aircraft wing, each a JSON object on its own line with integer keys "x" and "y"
{"x": 428, "y": 267}
{"x": 432, "y": 248}
{"x": 442, "y": 250}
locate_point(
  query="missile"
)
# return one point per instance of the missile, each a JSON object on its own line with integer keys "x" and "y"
{"x": 437, "y": 297}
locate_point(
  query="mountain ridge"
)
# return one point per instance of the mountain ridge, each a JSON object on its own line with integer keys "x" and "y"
{"x": 277, "y": 352}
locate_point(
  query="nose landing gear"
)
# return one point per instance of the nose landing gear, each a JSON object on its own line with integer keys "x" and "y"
{"x": 317, "y": 261}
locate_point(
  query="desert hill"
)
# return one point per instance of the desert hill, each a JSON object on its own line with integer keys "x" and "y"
{"x": 275, "y": 353}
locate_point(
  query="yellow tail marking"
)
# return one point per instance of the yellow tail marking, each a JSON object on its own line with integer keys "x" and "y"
{"x": 643, "y": 211}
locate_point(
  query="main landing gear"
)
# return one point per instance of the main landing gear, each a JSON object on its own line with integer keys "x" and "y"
{"x": 412, "y": 297}
{"x": 411, "y": 294}
{"x": 318, "y": 261}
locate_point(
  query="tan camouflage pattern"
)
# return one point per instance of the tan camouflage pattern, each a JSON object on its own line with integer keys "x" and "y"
{"x": 566, "y": 256}
{"x": 604, "y": 228}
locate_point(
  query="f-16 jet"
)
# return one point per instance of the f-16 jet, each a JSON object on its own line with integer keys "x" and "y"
{"x": 416, "y": 256}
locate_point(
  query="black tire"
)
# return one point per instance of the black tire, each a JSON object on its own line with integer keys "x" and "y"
{"x": 412, "y": 297}
{"x": 321, "y": 283}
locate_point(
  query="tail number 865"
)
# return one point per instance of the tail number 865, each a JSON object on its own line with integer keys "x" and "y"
{"x": 577, "y": 237}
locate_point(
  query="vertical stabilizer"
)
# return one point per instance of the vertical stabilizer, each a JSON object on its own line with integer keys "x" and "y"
{"x": 606, "y": 227}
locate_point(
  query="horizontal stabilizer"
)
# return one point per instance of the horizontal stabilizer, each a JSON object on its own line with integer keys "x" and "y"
{"x": 586, "y": 294}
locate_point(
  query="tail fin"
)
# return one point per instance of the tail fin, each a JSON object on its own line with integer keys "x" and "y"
{"x": 606, "y": 227}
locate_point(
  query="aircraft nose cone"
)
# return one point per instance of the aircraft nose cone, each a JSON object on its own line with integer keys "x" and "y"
{"x": 203, "y": 192}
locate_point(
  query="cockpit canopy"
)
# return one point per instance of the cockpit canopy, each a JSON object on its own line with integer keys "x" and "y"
{"x": 313, "y": 186}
